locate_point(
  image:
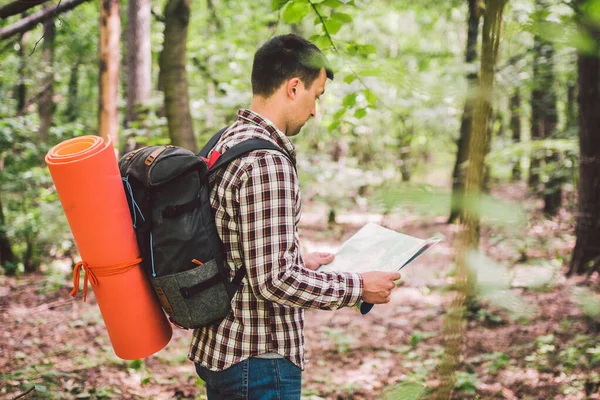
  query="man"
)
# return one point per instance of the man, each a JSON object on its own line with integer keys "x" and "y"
{"x": 257, "y": 351}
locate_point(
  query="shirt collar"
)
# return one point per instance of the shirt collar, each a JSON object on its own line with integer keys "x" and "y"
{"x": 251, "y": 117}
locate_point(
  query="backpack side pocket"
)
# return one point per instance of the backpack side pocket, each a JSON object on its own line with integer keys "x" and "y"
{"x": 194, "y": 298}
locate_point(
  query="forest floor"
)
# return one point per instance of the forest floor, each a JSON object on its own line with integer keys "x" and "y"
{"x": 53, "y": 346}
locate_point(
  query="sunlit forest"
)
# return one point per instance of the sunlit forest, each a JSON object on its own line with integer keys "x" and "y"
{"x": 476, "y": 121}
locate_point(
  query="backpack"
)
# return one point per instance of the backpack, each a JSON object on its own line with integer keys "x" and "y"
{"x": 168, "y": 194}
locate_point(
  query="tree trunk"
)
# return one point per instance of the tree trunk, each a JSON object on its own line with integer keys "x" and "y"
{"x": 46, "y": 103}
{"x": 487, "y": 169}
{"x": 109, "y": 54}
{"x": 454, "y": 325}
{"x": 515, "y": 127}
{"x": 72, "y": 111}
{"x": 571, "y": 107}
{"x": 21, "y": 90}
{"x": 173, "y": 75}
{"x": 215, "y": 21}
{"x": 543, "y": 104}
{"x": 586, "y": 254}
{"x": 458, "y": 175}
{"x": 6, "y": 254}
{"x": 139, "y": 57}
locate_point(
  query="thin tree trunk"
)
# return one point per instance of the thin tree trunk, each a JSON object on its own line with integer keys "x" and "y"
{"x": 46, "y": 103}
{"x": 72, "y": 111}
{"x": 587, "y": 247}
{"x": 489, "y": 137}
{"x": 139, "y": 57}
{"x": 6, "y": 254}
{"x": 544, "y": 119}
{"x": 458, "y": 175}
{"x": 215, "y": 22}
{"x": 454, "y": 325}
{"x": 173, "y": 75}
{"x": 21, "y": 90}
{"x": 515, "y": 127}
{"x": 109, "y": 55}
{"x": 571, "y": 107}
{"x": 543, "y": 105}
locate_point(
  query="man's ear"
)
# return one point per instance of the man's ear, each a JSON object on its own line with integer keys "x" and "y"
{"x": 292, "y": 87}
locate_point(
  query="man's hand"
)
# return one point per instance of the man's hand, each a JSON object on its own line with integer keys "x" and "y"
{"x": 315, "y": 260}
{"x": 378, "y": 285}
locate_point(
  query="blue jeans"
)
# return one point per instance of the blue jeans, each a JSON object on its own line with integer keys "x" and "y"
{"x": 254, "y": 379}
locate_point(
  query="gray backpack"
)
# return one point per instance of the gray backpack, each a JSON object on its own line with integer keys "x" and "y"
{"x": 168, "y": 193}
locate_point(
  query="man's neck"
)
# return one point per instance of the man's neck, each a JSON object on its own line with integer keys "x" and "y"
{"x": 268, "y": 108}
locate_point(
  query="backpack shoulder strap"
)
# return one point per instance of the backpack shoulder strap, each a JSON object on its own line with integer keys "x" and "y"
{"x": 246, "y": 147}
{"x": 233, "y": 153}
{"x": 211, "y": 143}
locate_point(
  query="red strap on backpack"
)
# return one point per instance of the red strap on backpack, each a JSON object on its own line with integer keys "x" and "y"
{"x": 214, "y": 156}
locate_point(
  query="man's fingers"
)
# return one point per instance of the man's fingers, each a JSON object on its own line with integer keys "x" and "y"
{"x": 394, "y": 276}
{"x": 326, "y": 258}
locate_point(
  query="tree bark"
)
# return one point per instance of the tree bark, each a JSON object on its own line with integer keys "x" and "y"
{"x": 21, "y": 90}
{"x": 46, "y": 103}
{"x": 586, "y": 254}
{"x": 543, "y": 103}
{"x": 18, "y": 7}
{"x": 215, "y": 21}
{"x": 458, "y": 175}
{"x": 571, "y": 107}
{"x": 109, "y": 55}
{"x": 515, "y": 127}
{"x": 72, "y": 111}
{"x": 31, "y": 21}
{"x": 173, "y": 75}
{"x": 139, "y": 57}
{"x": 6, "y": 253}
{"x": 454, "y": 325}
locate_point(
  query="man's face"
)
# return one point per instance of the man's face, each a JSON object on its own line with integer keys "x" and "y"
{"x": 305, "y": 104}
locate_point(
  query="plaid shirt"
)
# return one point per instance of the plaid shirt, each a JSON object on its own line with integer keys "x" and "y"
{"x": 256, "y": 200}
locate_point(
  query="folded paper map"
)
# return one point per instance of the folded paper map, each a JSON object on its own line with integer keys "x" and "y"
{"x": 375, "y": 248}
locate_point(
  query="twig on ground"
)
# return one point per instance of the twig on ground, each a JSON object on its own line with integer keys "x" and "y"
{"x": 24, "y": 394}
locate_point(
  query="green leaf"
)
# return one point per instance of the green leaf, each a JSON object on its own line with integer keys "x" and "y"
{"x": 341, "y": 17}
{"x": 339, "y": 113}
{"x": 321, "y": 41}
{"x": 315, "y": 2}
{"x": 333, "y": 25}
{"x": 349, "y": 100}
{"x": 278, "y": 4}
{"x": 333, "y": 126}
{"x": 350, "y": 78}
{"x": 360, "y": 113}
{"x": 295, "y": 10}
{"x": 367, "y": 49}
{"x": 371, "y": 98}
{"x": 333, "y": 3}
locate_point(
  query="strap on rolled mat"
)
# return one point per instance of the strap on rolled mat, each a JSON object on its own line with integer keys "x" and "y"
{"x": 90, "y": 275}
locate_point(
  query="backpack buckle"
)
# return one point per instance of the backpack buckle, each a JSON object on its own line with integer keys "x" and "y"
{"x": 150, "y": 159}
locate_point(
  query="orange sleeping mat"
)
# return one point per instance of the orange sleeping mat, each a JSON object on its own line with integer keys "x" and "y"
{"x": 86, "y": 175}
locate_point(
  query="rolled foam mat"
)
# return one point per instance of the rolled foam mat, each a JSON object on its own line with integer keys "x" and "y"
{"x": 86, "y": 175}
